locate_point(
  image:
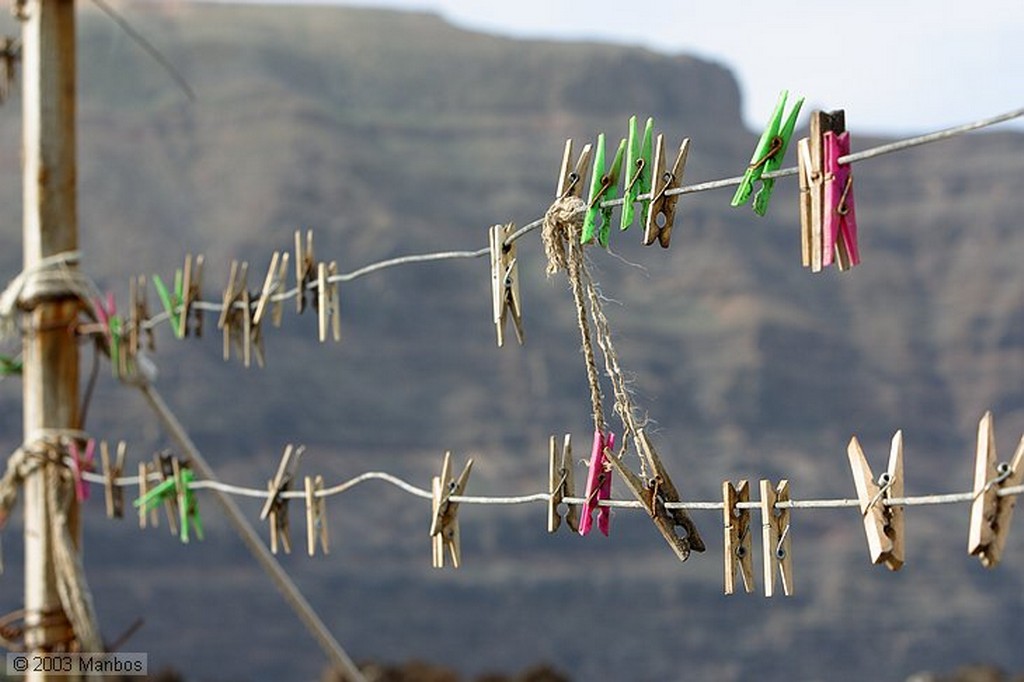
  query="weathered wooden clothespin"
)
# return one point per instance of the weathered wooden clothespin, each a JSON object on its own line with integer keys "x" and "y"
{"x": 316, "y": 515}
{"x": 775, "y": 537}
{"x": 505, "y": 301}
{"x": 811, "y": 173}
{"x": 768, "y": 156}
{"x": 328, "y": 301}
{"x": 991, "y": 513}
{"x": 305, "y": 268}
{"x": 236, "y": 314}
{"x": 661, "y": 214}
{"x": 603, "y": 184}
{"x": 10, "y": 54}
{"x": 163, "y": 464}
{"x": 599, "y": 485}
{"x": 273, "y": 283}
{"x": 113, "y": 493}
{"x": 138, "y": 317}
{"x": 571, "y": 177}
{"x": 444, "y": 524}
{"x": 191, "y": 291}
{"x": 561, "y": 484}
{"x": 675, "y": 525}
{"x": 637, "y": 174}
{"x": 738, "y": 538}
{"x": 276, "y": 506}
{"x": 883, "y": 523}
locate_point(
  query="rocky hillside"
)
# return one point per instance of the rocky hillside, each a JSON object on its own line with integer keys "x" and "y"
{"x": 391, "y": 134}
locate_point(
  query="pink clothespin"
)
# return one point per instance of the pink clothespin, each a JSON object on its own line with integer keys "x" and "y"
{"x": 105, "y": 311}
{"x": 840, "y": 238}
{"x": 599, "y": 485}
{"x": 80, "y": 464}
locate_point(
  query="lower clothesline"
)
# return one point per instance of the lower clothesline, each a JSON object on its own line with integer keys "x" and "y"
{"x": 835, "y": 503}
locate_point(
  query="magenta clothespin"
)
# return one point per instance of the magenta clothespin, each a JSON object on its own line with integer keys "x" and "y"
{"x": 840, "y": 219}
{"x": 105, "y": 310}
{"x": 599, "y": 485}
{"x": 80, "y": 464}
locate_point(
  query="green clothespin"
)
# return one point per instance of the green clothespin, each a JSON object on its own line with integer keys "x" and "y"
{"x": 106, "y": 314}
{"x": 768, "y": 155}
{"x": 116, "y": 325}
{"x": 10, "y": 366}
{"x": 171, "y": 302}
{"x": 638, "y": 172}
{"x": 602, "y": 188}
{"x": 178, "y": 486}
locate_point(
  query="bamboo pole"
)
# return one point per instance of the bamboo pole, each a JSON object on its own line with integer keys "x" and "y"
{"x": 50, "y": 375}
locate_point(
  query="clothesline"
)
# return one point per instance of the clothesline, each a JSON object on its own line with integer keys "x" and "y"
{"x": 855, "y": 157}
{"x": 345, "y": 486}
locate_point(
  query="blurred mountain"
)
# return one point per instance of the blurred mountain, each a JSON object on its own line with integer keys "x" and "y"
{"x": 396, "y": 133}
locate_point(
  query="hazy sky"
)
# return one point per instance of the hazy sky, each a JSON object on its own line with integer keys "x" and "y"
{"x": 894, "y": 66}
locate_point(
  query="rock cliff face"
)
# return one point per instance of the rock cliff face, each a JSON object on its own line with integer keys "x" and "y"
{"x": 391, "y": 134}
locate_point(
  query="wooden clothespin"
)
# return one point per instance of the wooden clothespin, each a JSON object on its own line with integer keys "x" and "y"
{"x": 775, "y": 537}
{"x": 768, "y": 156}
{"x": 883, "y": 523}
{"x": 272, "y": 284}
{"x": 316, "y": 515}
{"x": 675, "y": 525}
{"x": 191, "y": 291}
{"x": 638, "y": 173}
{"x": 661, "y": 214}
{"x": 810, "y": 231}
{"x": 505, "y": 282}
{"x": 599, "y": 485}
{"x": 305, "y": 268}
{"x": 602, "y": 188}
{"x": 561, "y": 484}
{"x": 163, "y": 464}
{"x": 570, "y": 177}
{"x": 328, "y": 301}
{"x": 236, "y": 314}
{"x": 738, "y": 538}
{"x": 113, "y": 493}
{"x": 815, "y": 252}
{"x": 444, "y": 525}
{"x": 146, "y": 514}
{"x": 138, "y": 317}
{"x": 991, "y": 513}
{"x": 276, "y": 506}
{"x": 10, "y": 54}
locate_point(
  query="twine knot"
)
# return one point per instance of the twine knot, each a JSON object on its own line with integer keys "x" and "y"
{"x": 563, "y": 223}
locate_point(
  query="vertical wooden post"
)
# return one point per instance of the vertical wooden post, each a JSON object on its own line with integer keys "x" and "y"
{"x": 50, "y": 374}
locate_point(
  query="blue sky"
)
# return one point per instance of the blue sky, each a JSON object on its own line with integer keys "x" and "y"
{"x": 896, "y": 67}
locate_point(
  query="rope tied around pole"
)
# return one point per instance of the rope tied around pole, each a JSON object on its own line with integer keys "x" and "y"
{"x": 49, "y": 451}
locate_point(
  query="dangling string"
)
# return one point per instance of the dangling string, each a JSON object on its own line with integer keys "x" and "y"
{"x": 562, "y": 225}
